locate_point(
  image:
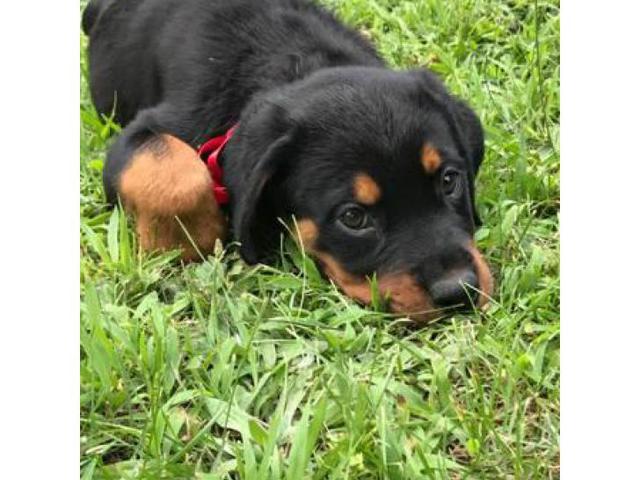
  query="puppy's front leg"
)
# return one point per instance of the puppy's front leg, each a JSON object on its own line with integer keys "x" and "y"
{"x": 168, "y": 189}
{"x": 164, "y": 184}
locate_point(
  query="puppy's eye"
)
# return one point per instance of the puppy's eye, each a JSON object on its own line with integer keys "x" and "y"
{"x": 354, "y": 218}
{"x": 451, "y": 182}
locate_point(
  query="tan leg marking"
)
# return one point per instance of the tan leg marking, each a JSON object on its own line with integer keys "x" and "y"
{"x": 430, "y": 159}
{"x": 165, "y": 179}
{"x": 365, "y": 189}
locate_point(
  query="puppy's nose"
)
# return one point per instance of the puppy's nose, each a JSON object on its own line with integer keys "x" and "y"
{"x": 459, "y": 290}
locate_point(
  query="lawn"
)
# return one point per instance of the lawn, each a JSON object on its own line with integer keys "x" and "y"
{"x": 219, "y": 370}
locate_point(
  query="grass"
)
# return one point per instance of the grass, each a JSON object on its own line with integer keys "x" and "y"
{"x": 221, "y": 371}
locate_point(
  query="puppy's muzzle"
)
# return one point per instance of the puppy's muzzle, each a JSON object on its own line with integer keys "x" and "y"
{"x": 458, "y": 290}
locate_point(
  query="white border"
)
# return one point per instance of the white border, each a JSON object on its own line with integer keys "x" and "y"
{"x": 600, "y": 179}
{"x": 39, "y": 121}
{"x": 39, "y": 239}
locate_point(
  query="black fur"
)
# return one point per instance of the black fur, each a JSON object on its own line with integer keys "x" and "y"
{"x": 315, "y": 105}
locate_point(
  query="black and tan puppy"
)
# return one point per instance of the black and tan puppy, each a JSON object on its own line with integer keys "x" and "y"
{"x": 376, "y": 165}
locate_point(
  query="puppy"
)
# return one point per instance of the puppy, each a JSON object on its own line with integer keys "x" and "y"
{"x": 377, "y": 166}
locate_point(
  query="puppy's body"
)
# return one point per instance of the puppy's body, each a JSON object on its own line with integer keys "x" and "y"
{"x": 205, "y": 59}
{"x": 326, "y": 133}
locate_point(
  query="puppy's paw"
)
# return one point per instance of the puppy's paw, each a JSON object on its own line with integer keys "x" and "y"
{"x": 168, "y": 189}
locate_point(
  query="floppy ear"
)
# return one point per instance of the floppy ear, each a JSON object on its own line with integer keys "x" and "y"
{"x": 255, "y": 172}
{"x": 466, "y": 126}
{"x": 473, "y": 136}
{"x": 472, "y": 133}
{"x": 255, "y": 215}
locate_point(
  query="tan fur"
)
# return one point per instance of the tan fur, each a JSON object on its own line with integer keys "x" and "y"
{"x": 354, "y": 287}
{"x": 308, "y": 233}
{"x": 402, "y": 290}
{"x": 430, "y": 159}
{"x": 485, "y": 279}
{"x": 408, "y": 297}
{"x": 165, "y": 179}
{"x": 365, "y": 189}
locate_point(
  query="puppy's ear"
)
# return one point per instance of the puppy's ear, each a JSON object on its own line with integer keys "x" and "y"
{"x": 465, "y": 122}
{"x": 473, "y": 136}
{"x": 472, "y": 132}
{"x": 255, "y": 169}
{"x": 255, "y": 216}
{"x": 467, "y": 128}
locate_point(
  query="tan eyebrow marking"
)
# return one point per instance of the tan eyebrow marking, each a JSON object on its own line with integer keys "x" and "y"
{"x": 365, "y": 189}
{"x": 430, "y": 158}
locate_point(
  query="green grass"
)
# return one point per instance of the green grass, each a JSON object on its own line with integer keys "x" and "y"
{"x": 218, "y": 370}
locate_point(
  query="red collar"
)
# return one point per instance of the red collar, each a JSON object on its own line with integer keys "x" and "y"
{"x": 210, "y": 152}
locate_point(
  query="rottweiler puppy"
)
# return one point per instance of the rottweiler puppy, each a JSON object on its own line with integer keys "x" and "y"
{"x": 377, "y": 166}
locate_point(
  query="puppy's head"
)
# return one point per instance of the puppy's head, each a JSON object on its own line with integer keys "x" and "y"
{"x": 378, "y": 168}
